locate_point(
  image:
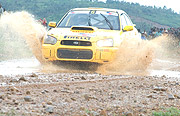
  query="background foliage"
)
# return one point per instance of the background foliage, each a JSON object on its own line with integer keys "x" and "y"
{"x": 53, "y": 10}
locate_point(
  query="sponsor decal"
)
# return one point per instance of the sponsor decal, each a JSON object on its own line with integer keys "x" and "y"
{"x": 77, "y": 37}
{"x": 78, "y": 33}
{"x": 112, "y": 13}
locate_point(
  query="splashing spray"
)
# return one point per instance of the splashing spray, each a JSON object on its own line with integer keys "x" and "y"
{"x": 18, "y": 30}
{"x": 135, "y": 56}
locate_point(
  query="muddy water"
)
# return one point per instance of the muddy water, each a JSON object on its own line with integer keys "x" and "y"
{"x": 20, "y": 42}
{"x": 19, "y": 66}
{"x": 168, "y": 68}
{"x": 20, "y": 36}
{"x": 20, "y": 52}
{"x": 160, "y": 56}
{"x": 166, "y": 60}
{"x": 163, "y": 63}
{"x": 158, "y": 67}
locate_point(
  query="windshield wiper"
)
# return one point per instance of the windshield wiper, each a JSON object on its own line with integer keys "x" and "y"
{"x": 89, "y": 20}
{"x": 108, "y": 22}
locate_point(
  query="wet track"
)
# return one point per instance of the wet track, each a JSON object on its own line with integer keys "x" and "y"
{"x": 169, "y": 68}
{"x": 29, "y": 87}
{"x": 130, "y": 55}
{"x": 71, "y": 92}
{"x": 19, "y": 67}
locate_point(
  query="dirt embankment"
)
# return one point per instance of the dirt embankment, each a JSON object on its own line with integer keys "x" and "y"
{"x": 142, "y": 20}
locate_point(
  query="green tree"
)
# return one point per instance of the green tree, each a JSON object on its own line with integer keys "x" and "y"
{"x": 54, "y": 10}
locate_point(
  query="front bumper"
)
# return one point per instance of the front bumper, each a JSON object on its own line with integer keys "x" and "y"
{"x": 78, "y": 53}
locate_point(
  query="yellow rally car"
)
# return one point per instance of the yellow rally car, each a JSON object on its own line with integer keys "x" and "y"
{"x": 88, "y": 35}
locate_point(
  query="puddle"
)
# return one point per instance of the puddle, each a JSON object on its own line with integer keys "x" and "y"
{"x": 19, "y": 66}
{"x": 168, "y": 68}
{"x": 160, "y": 73}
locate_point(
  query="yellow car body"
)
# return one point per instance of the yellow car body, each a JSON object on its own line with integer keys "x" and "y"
{"x": 95, "y": 41}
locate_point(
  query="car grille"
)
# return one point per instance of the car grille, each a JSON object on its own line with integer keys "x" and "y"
{"x": 76, "y": 43}
{"x": 74, "y": 53}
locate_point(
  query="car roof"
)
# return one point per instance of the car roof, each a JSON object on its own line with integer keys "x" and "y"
{"x": 101, "y": 9}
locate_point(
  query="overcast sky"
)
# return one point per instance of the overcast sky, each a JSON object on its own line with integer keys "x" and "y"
{"x": 173, "y": 4}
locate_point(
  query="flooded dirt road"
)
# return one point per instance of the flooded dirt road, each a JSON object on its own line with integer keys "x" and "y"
{"x": 28, "y": 90}
{"x": 169, "y": 68}
{"x": 145, "y": 77}
{"x": 19, "y": 67}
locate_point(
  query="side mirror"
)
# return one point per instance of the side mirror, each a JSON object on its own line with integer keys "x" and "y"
{"x": 128, "y": 28}
{"x": 52, "y": 24}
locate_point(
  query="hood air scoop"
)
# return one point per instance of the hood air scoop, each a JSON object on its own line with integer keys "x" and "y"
{"x": 83, "y": 28}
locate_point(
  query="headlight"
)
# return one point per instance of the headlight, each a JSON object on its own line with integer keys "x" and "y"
{"x": 50, "y": 40}
{"x": 105, "y": 43}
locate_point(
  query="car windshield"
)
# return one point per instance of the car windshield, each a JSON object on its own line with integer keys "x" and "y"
{"x": 99, "y": 19}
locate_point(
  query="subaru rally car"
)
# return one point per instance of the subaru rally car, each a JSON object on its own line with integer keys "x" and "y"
{"x": 88, "y": 35}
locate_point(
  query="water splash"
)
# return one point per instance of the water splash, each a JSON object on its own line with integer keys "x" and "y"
{"x": 135, "y": 56}
{"x": 19, "y": 32}
{"x": 21, "y": 36}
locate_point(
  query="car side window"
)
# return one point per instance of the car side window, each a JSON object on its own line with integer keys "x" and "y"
{"x": 128, "y": 21}
{"x": 125, "y": 20}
